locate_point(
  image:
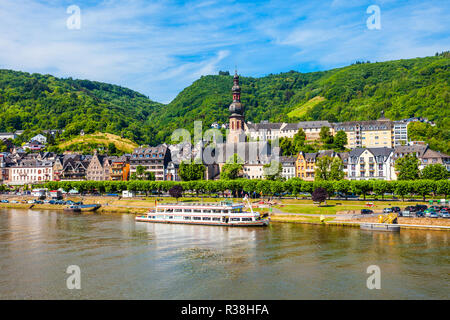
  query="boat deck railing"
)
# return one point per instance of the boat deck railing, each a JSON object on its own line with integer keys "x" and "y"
{"x": 202, "y": 204}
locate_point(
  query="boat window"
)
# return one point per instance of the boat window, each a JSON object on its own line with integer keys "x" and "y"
{"x": 197, "y": 210}
{"x": 206, "y": 211}
{"x": 247, "y": 219}
{"x": 187, "y": 218}
{"x": 169, "y": 210}
{"x": 235, "y": 219}
{"x": 187, "y": 210}
{"x": 197, "y": 218}
{"x": 207, "y": 218}
{"x": 178, "y": 210}
{"x": 216, "y": 211}
{"x": 216, "y": 219}
{"x": 170, "y": 217}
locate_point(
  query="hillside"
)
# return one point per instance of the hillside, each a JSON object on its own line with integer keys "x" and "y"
{"x": 100, "y": 141}
{"x": 402, "y": 88}
{"x": 34, "y": 101}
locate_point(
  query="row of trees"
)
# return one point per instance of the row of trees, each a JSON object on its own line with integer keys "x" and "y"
{"x": 257, "y": 187}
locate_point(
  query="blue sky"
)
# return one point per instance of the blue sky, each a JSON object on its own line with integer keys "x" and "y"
{"x": 160, "y": 47}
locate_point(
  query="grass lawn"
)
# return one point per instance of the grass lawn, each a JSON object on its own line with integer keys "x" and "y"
{"x": 307, "y": 207}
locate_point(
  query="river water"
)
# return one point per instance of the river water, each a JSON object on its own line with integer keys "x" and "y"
{"x": 123, "y": 259}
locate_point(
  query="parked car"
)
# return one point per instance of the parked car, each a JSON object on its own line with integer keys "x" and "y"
{"x": 31, "y": 201}
{"x": 5, "y": 201}
{"x": 444, "y": 214}
{"x": 387, "y": 210}
{"x": 407, "y": 212}
{"x": 419, "y": 213}
{"x": 421, "y": 207}
{"x": 366, "y": 211}
{"x": 396, "y": 209}
{"x": 14, "y": 201}
{"x": 430, "y": 213}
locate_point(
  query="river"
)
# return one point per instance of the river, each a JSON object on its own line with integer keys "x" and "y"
{"x": 121, "y": 259}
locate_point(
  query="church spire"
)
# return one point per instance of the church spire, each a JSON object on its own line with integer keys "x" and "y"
{"x": 236, "y": 113}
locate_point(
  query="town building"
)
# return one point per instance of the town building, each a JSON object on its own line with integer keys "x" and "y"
{"x": 31, "y": 171}
{"x": 367, "y": 134}
{"x": 153, "y": 159}
{"x": 8, "y": 135}
{"x": 253, "y": 170}
{"x": 265, "y": 131}
{"x": 288, "y": 165}
{"x": 120, "y": 169}
{"x": 99, "y": 168}
{"x": 425, "y": 155}
{"x": 74, "y": 167}
{"x": 305, "y": 164}
{"x": 370, "y": 163}
{"x": 39, "y": 138}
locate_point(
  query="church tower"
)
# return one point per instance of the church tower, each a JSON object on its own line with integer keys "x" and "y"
{"x": 236, "y": 133}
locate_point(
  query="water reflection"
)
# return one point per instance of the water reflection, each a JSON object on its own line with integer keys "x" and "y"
{"x": 121, "y": 259}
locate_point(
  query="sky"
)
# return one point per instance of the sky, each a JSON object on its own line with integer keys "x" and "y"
{"x": 160, "y": 47}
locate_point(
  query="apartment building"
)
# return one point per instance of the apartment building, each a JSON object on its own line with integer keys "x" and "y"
{"x": 367, "y": 134}
{"x": 370, "y": 163}
{"x": 265, "y": 130}
{"x": 30, "y": 171}
{"x": 288, "y": 165}
{"x": 153, "y": 159}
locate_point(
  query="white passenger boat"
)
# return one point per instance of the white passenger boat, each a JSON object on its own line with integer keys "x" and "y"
{"x": 215, "y": 214}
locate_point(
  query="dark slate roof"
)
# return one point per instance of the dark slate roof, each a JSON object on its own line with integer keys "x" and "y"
{"x": 286, "y": 160}
{"x": 365, "y": 125}
{"x": 264, "y": 126}
{"x": 383, "y": 151}
{"x": 417, "y": 149}
{"x": 162, "y": 148}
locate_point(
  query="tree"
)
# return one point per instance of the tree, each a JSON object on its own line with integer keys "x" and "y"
{"x": 434, "y": 172}
{"x": 325, "y": 136}
{"x": 176, "y": 191}
{"x": 232, "y": 169}
{"x": 340, "y": 140}
{"x": 328, "y": 168}
{"x": 112, "y": 148}
{"x": 191, "y": 171}
{"x": 407, "y": 167}
{"x": 319, "y": 195}
{"x": 272, "y": 171}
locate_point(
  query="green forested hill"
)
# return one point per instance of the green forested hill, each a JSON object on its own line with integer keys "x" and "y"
{"x": 402, "y": 88}
{"x": 34, "y": 101}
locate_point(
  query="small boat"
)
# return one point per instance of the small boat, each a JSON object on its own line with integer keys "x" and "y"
{"x": 380, "y": 227}
{"x": 82, "y": 207}
{"x": 213, "y": 214}
{"x": 72, "y": 209}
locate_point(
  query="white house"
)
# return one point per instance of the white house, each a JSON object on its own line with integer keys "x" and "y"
{"x": 39, "y": 138}
{"x": 370, "y": 163}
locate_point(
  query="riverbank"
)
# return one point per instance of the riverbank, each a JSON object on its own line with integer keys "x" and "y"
{"x": 335, "y": 213}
